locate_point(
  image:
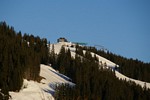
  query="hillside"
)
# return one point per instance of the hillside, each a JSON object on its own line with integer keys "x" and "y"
{"x": 31, "y": 68}
{"x": 95, "y": 76}
{"x": 103, "y": 60}
{"x": 43, "y": 90}
{"x": 46, "y": 88}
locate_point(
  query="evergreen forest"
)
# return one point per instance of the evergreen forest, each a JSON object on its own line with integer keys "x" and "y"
{"x": 93, "y": 81}
{"x": 132, "y": 68}
{"x": 20, "y": 58}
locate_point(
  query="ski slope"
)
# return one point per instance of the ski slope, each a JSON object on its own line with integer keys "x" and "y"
{"x": 43, "y": 90}
{"x": 103, "y": 60}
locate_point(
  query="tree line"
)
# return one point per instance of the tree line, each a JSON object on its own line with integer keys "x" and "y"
{"x": 20, "y": 58}
{"x": 132, "y": 68}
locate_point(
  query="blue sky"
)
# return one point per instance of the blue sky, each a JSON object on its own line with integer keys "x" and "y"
{"x": 121, "y": 26}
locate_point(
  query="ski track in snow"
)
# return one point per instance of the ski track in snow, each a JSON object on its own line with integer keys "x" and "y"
{"x": 46, "y": 88}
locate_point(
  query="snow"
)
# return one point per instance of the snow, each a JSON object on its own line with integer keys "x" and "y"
{"x": 58, "y": 46}
{"x": 43, "y": 90}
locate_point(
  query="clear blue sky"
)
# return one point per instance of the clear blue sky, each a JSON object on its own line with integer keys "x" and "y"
{"x": 122, "y": 26}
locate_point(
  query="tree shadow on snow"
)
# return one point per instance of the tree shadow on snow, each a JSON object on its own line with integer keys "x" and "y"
{"x": 52, "y": 92}
{"x": 61, "y": 75}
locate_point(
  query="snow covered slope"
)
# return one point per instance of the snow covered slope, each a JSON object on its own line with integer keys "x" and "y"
{"x": 103, "y": 60}
{"x": 141, "y": 83}
{"x": 43, "y": 90}
{"x": 57, "y": 46}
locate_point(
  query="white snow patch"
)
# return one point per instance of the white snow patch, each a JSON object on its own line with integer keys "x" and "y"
{"x": 57, "y": 46}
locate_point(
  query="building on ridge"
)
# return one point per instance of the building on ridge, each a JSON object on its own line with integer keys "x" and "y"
{"x": 62, "y": 39}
